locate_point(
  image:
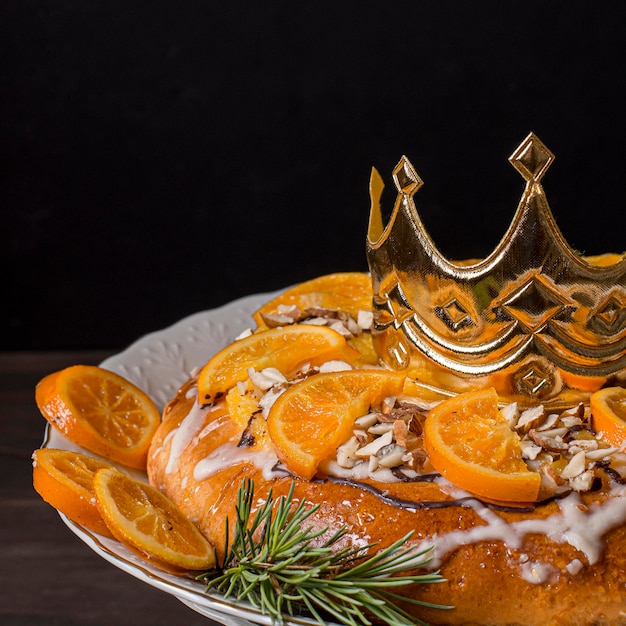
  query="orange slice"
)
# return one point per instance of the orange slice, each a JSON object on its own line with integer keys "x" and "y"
{"x": 313, "y": 417}
{"x": 608, "y": 414}
{"x": 286, "y": 349}
{"x": 100, "y": 411}
{"x": 347, "y": 292}
{"x": 582, "y": 383}
{"x": 470, "y": 443}
{"x": 64, "y": 480}
{"x": 148, "y": 523}
{"x": 343, "y": 291}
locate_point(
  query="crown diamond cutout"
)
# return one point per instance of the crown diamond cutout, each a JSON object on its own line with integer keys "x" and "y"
{"x": 609, "y": 313}
{"x": 534, "y": 305}
{"x": 533, "y": 381}
{"x": 532, "y": 159}
{"x": 522, "y": 319}
{"x": 610, "y": 317}
{"x": 406, "y": 178}
{"x": 400, "y": 307}
{"x": 454, "y": 315}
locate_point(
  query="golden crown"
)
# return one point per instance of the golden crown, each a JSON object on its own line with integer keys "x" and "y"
{"x": 534, "y": 318}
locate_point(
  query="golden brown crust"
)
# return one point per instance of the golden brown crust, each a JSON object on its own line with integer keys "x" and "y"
{"x": 485, "y": 581}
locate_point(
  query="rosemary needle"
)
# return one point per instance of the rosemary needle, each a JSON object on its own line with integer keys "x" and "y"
{"x": 275, "y": 564}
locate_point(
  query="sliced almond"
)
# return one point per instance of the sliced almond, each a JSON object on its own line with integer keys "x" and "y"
{"x": 390, "y": 455}
{"x": 365, "y": 319}
{"x": 275, "y": 320}
{"x": 546, "y": 442}
{"x": 346, "y": 453}
{"x": 530, "y": 418}
{"x": 549, "y": 422}
{"x": 575, "y": 467}
{"x": 365, "y": 421}
{"x": 600, "y": 453}
{"x": 373, "y": 447}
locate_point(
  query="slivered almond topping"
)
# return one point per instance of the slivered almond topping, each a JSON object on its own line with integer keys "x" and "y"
{"x": 560, "y": 446}
{"x": 530, "y": 419}
{"x": 546, "y": 442}
{"x": 575, "y": 467}
{"x": 321, "y": 312}
{"x": 549, "y": 422}
{"x": 365, "y": 319}
{"x": 401, "y": 432}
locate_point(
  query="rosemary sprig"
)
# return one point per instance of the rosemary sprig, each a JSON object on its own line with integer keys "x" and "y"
{"x": 275, "y": 564}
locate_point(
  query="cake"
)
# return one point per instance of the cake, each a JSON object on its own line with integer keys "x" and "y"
{"x": 534, "y": 325}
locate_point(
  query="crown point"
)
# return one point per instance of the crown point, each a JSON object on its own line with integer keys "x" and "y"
{"x": 532, "y": 158}
{"x": 375, "y": 228}
{"x": 405, "y": 177}
{"x": 521, "y": 319}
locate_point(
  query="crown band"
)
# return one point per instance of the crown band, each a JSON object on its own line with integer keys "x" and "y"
{"x": 534, "y": 318}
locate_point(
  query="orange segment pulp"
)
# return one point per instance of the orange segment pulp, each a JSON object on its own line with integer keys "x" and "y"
{"x": 100, "y": 411}
{"x": 342, "y": 291}
{"x": 313, "y": 417}
{"x": 64, "y": 480}
{"x": 470, "y": 443}
{"x": 286, "y": 349}
{"x": 147, "y": 522}
{"x": 608, "y": 414}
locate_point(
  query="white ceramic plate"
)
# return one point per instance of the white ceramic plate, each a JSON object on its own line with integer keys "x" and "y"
{"x": 159, "y": 363}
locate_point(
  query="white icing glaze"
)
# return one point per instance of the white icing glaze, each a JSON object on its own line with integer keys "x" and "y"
{"x": 228, "y": 454}
{"x": 581, "y": 527}
{"x": 186, "y": 431}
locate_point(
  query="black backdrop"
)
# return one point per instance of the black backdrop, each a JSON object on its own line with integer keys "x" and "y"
{"x": 160, "y": 158}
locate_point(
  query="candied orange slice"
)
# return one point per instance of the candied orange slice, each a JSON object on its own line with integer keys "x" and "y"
{"x": 286, "y": 349}
{"x": 149, "y": 523}
{"x": 64, "y": 479}
{"x": 580, "y": 382}
{"x": 342, "y": 291}
{"x": 608, "y": 414}
{"x": 313, "y": 417}
{"x": 470, "y": 443}
{"x": 101, "y": 411}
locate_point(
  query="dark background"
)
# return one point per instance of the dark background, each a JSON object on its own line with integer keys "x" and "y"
{"x": 161, "y": 158}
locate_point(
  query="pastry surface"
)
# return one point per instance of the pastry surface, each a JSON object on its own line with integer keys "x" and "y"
{"x": 562, "y": 562}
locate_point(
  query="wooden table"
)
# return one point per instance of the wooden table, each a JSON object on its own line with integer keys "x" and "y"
{"x": 47, "y": 575}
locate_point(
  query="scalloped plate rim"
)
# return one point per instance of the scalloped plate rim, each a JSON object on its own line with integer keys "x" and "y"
{"x": 128, "y": 362}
